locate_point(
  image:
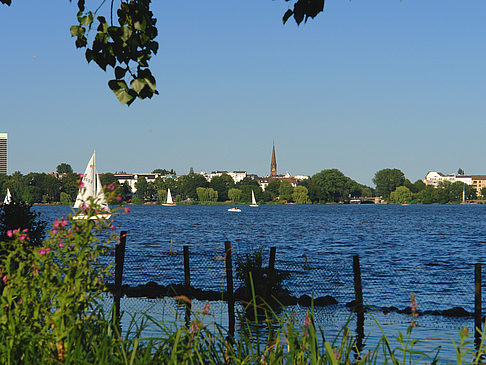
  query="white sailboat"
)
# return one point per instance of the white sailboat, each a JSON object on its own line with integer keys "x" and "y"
{"x": 169, "y": 201}
{"x": 8, "y": 197}
{"x": 253, "y": 200}
{"x": 91, "y": 188}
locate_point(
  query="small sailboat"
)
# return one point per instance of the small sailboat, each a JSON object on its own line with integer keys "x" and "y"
{"x": 234, "y": 210}
{"x": 8, "y": 197}
{"x": 91, "y": 188}
{"x": 169, "y": 202}
{"x": 253, "y": 200}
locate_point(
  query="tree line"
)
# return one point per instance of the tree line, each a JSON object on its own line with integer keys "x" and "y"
{"x": 326, "y": 186}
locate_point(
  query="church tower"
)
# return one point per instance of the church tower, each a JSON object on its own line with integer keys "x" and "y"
{"x": 273, "y": 165}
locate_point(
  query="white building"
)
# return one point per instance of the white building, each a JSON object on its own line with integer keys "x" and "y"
{"x": 237, "y": 176}
{"x": 131, "y": 179}
{"x": 434, "y": 178}
{"x": 3, "y": 153}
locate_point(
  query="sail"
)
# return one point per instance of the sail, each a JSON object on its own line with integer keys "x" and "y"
{"x": 253, "y": 200}
{"x": 169, "y": 197}
{"x": 87, "y": 188}
{"x": 100, "y": 195}
{"x": 8, "y": 197}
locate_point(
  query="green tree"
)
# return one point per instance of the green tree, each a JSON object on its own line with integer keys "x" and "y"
{"x": 70, "y": 185}
{"x": 483, "y": 192}
{"x": 285, "y": 190}
{"x": 187, "y": 184}
{"x": 64, "y": 168}
{"x": 419, "y": 185}
{"x": 32, "y": 194}
{"x": 142, "y": 188}
{"x": 460, "y": 172}
{"x": 164, "y": 172}
{"x": 273, "y": 187}
{"x": 330, "y": 186}
{"x": 300, "y": 195}
{"x": 387, "y": 180}
{"x": 65, "y": 199}
{"x": 161, "y": 196}
{"x": 401, "y": 195}
{"x": 234, "y": 194}
{"x": 107, "y": 179}
{"x": 222, "y": 184}
{"x": 247, "y": 181}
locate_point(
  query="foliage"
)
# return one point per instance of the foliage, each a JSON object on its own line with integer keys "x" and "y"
{"x": 189, "y": 183}
{"x": 49, "y": 293}
{"x": 207, "y": 194}
{"x": 273, "y": 187}
{"x": 65, "y": 198}
{"x": 387, "y": 180}
{"x": 164, "y": 172}
{"x": 401, "y": 195}
{"x": 222, "y": 184}
{"x": 161, "y": 196}
{"x": 20, "y": 216}
{"x": 64, "y": 168}
{"x": 285, "y": 190}
{"x": 332, "y": 186}
{"x": 300, "y": 195}
{"x": 235, "y": 195}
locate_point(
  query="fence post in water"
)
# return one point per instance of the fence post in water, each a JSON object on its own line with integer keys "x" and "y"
{"x": 119, "y": 261}
{"x": 358, "y": 295}
{"x": 271, "y": 272}
{"x": 187, "y": 271}
{"x": 229, "y": 289}
{"x": 477, "y": 304}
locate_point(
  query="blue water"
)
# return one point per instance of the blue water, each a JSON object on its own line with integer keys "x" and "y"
{"x": 426, "y": 249}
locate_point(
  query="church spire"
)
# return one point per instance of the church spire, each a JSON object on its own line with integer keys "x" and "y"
{"x": 273, "y": 165}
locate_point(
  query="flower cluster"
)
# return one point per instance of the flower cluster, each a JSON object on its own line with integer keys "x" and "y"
{"x": 22, "y": 236}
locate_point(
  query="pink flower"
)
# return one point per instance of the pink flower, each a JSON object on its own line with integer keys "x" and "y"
{"x": 112, "y": 227}
{"x": 25, "y": 230}
{"x": 9, "y": 233}
{"x": 22, "y": 237}
{"x": 60, "y": 244}
{"x": 56, "y": 224}
{"x": 16, "y": 231}
{"x": 35, "y": 271}
{"x": 111, "y": 186}
{"x": 4, "y": 279}
{"x": 41, "y": 251}
{"x": 64, "y": 222}
{"x": 81, "y": 175}
{"x": 81, "y": 184}
{"x": 118, "y": 198}
{"x": 127, "y": 210}
{"x": 83, "y": 207}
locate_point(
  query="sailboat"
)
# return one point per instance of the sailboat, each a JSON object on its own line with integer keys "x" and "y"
{"x": 253, "y": 200}
{"x": 8, "y": 197}
{"x": 169, "y": 202}
{"x": 91, "y": 188}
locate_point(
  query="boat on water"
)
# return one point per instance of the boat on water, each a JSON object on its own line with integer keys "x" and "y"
{"x": 234, "y": 210}
{"x": 169, "y": 202}
{"x": 8, "y": 197}
{"x": 253, "y": 200}
{"x": 90, "y": 191}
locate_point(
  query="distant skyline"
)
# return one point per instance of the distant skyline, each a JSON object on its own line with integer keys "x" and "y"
{"x": 364, "y": 86}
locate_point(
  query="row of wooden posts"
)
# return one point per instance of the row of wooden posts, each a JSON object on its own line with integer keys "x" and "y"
{"x": 358, "y": 289}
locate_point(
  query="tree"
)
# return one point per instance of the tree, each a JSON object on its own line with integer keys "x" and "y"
{"x": 331, "y": 186}
{"x": 128, "y": 46}
{"x": 419, "y": 185}
{"x": 247, "y": 181}
{"x": 107, "y": 179}
{"x": 64, "y": 168}
{"x": 273, "y": 187}
{"x": 285, "y": 190}
{"x": 234, "y": 194}
{"x": 483, "y": 192}
{"x": 187, "y": 184}
{"x": 460, "y": 172}
{"x": 401, "y": 195}
{"x": 142, "y": 188}
{"x": 70, "y": 185}
{"x": 387, "y": 180}
{"x": 164, "y": 172}
{"x": 300, "y": 195}
{"x": 222, "y": 184}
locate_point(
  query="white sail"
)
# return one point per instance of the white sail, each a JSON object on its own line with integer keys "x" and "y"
{"x": 8, "y": 197}
{"x": 169, "y": 197}
{"x": 91, "y": 187}
{"x": 253, "y": 200}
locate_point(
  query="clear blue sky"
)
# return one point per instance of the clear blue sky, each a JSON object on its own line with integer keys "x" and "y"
{"x": 366, "y": 85}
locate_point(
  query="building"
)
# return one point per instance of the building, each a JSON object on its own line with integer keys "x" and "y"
{"x": 3, "y": 153}
{"x": 237, "y": 176}
{"x": 434, "y": 178}
{"x": 273, "y": 164}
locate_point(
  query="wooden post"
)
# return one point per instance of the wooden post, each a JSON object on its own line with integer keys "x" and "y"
{"x": 187, "y": 271}
{"x": 477, "y": 304}
{"x": 229, "y": 289}
{"x": 119, "y": 261}
{"x": 271, "y": 273}
{"x": 358, "y": 295}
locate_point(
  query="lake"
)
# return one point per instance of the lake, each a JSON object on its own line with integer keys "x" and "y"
{"x": 426, "y": 249}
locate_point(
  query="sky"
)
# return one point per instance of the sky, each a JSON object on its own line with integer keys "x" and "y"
{"x": 364, "y": 86}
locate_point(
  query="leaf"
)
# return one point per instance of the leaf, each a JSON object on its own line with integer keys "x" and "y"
{"x": 138, "y": 85}
{"x": 287, "y": 15}
{"x": 6, "y": 2}
{"x": 77, "y": 31}
{"x": 120, "y": 72}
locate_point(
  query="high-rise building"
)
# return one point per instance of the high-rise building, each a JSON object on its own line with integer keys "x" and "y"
{"x": 273, "y": 164}
{"x": 3, "y": 153}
